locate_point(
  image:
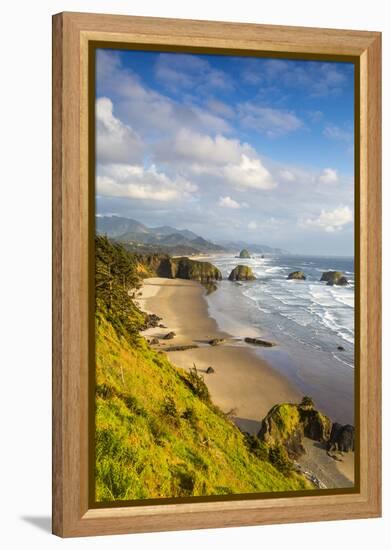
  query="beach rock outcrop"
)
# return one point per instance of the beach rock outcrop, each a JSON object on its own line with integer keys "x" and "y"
{"x": 334, "y": 278}
{"x": 151, "y": 321}
{"x": 184, "y": 347}
{"x": 241, "y": 273}
{"x": 341, "y": 438}
{"x": 203, "y": 272}
{"x": 162, "y": 265}
{"x": 287, "y": 424}
{"x": 317, "y": 426}
{"x": 281, "y": 427}
{"x": 216, "y": 341}
{"x": 166, "y": 268}
{"x": 259, "y": 342}
{"x": 244, "y": 253}
{"x": 297, "y": 275}
{"x": 169, "y": 336}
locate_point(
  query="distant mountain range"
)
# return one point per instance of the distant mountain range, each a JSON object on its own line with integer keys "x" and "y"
{"x": 166, "y": 239}
{"x": 146, "y": 239}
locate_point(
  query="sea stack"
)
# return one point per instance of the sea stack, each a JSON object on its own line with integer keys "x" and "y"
{"x": 297, "y": 275}
{"x": 334, "y": 278}
{"x": 242, "y": 273}
{"x": 244, "y": 254}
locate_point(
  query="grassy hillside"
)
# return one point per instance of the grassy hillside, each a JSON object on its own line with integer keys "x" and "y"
{"x": 157, "y": 432}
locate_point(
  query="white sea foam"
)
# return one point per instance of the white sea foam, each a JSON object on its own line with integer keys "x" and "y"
{"x": 308, "y": 312}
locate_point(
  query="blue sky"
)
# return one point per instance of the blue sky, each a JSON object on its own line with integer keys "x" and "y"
{"x": 245, "y": 148}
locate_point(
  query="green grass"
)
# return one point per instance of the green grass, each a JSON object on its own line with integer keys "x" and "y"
{"x": 158, "y": 434}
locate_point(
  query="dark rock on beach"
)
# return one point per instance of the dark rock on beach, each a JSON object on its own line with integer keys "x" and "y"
{"x": 169, "y": 336}
{"x": 216, "y": 341}
{"x": 297, "y": 275}
{"x": 317, "y": 426}
{"x": 181, "y": 348}
{"x": 241, "y": 273}
{"x": 210, "y": 370}
{"x": 340, "y": 348}
{"x": 259, "y": 342}
{"x": 154, "y": 341}
{"x": 341, "y": 438}
{"x": 151, "y": 321}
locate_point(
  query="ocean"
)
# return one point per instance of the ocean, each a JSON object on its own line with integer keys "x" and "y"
{"x": 308, "y": 321}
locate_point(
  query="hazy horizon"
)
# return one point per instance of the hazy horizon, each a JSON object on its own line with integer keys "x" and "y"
{"x": 232, "y": 148}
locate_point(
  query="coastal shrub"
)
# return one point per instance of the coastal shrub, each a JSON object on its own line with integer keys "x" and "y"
{"x": 280, "y": 459}
{"x": 158, "y": 430}
{"x": 104, "y": 391}
{"x": 186, "y": 479}
{"x": 170, "y": 412}
{"x": 307, "y": 402}
{"x": 257, "y": 447}
{"x": 115, "y": 277}
{"x": 190, "y": 416}
{"x": 197, "y": 385}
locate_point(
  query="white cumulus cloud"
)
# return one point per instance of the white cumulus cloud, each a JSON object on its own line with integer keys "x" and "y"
{"x": 330, "y": 220}
{"x": 227, "y": 202}
{"x": 137, "y": 182}
{"x": 189, "y": 146}
{"x": 328, "y": 175}
{"x": 287, "y": 175}
{"x": 249, "y": 173}
{"x": 115, "y": 141}
{"x": 236, "y": 163}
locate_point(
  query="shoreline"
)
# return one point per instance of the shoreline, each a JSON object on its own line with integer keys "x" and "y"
{"x": 243, "y": 384}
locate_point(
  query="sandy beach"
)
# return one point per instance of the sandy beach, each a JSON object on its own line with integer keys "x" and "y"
{"x": 242, "y": 384}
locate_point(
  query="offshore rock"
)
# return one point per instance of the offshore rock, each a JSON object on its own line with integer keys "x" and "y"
{"x": 241, "y": 273}
{"x": 244, "y": 254}
{"x": 334, "y": 278}
{"x": 297, "y": 275}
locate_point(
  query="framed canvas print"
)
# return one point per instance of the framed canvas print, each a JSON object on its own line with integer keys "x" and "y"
{"x": 216, "y": 230}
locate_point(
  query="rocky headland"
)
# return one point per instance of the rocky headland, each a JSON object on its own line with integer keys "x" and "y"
{"x": 287, "y": 425}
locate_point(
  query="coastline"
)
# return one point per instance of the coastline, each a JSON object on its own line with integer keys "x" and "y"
{"x": 243, "y": 384}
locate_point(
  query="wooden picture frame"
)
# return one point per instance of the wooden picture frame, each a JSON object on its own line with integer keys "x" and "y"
{"x": 72, "y": 34}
